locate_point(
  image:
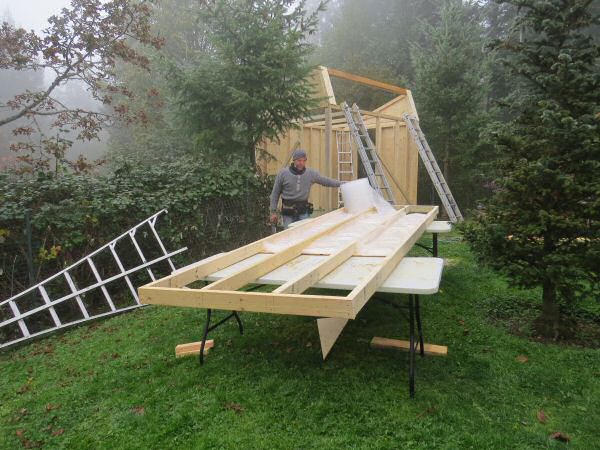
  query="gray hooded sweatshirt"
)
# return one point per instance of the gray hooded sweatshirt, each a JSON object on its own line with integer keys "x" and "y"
{"x": 294, "y": 187}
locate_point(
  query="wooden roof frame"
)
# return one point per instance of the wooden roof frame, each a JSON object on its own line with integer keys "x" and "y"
{"x": 323, "y": 89}
{"x": 288, "y": 298}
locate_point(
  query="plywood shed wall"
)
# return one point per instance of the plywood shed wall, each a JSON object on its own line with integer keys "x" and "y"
{"x": 317, "y": 135}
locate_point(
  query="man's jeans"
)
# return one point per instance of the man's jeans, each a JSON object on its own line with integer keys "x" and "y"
{"x": 290, "y": 219}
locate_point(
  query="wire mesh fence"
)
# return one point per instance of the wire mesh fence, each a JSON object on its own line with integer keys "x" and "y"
{"x": 30, "y": 254}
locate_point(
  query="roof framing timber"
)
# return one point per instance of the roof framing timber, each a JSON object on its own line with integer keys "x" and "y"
{"x": 365, "y": 81}
{"x": 289, "y": 298}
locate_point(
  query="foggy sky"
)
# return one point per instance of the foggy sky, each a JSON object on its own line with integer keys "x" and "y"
{"x": 34, "y": 14}
{"x": 31, "y": 14}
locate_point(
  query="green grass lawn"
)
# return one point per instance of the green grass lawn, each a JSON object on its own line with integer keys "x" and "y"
{"x": 117, "y": 384}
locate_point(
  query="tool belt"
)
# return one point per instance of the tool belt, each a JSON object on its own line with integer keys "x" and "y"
{"x": 294, "y": 208}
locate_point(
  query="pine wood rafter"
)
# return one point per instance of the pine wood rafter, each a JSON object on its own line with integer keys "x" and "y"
{"x": 288, "y": 298}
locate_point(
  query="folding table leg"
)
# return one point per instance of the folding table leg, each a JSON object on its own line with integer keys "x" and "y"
{"x": 208, "y": 328}
{"x": 205, "y": 335}
{"x": 419, "y": 326}
{"x": 411, "y": 370}
{"x": 239, "y": 321}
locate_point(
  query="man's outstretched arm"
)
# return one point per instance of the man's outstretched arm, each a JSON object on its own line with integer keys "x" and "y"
{"x": 324, "y": 181}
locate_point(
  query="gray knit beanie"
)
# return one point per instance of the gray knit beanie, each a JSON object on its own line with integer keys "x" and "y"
{"x": 298, "y": 154}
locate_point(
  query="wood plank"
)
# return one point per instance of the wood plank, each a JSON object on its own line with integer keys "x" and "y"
{"x": 267, "y": 302}
{"x": 366, "y": 81}
{"x": 361, "y": 294}
{"x": 265, "y": 266}
{"x": 411, "y": 102}
{"x": 329, "y": 331}
{"x": 193, "y": 348}
{"x": 397, "y": 344}
{"x": 314, "y": 274}
{"x": 204, "y": 268}
{"x": 366, "y": 112}
{"x": 324, "y": 72}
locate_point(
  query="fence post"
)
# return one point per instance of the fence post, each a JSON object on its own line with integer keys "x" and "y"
{"x": 29, "y": 252}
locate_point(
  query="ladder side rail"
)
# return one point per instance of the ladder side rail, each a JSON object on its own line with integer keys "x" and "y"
{"x": 102, "y": 284}
{"x": 433, "y": 169}
{"x": 122, "y": 269}
{"x": 79, "y": 262}
{"x": 18, "y": 318}
{"x": 360, "y": 147}
{"x": 142, "y": 257}
{"x": 160, "y": 242}
{"x": 374, "y": 156}
{"x": 88, "y": 288}
{"x": 47, "y": 301}
{"x": 68, "y": 324}
{"x": 78, "y": 299}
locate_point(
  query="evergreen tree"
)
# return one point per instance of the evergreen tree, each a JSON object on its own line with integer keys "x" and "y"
{"x": 253, "y": 82}
{"x": 451, "y": 85}
{"x": 542, "y": 225}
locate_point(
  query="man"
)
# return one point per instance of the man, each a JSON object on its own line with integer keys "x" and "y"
{"x": 293, "y": 185}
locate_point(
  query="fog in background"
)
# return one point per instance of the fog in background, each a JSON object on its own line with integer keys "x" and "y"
{"x": 33, "y": 15}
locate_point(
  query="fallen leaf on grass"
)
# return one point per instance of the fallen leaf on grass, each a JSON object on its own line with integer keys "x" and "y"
{"x": 461, "y": 322}
{"x": 563, "y": 437}
{"x": 541, "y": 416}
{"x": 58, "y": 432}
{"x": 26, "y": 442}
{"x": 239, "y": 409}
{"x": 50, "y": 407}
{"x": 139, "y": 410}
{"x": 31, "y": 444}
{"x": 21, "y": 413}
{"x": 522, "y": 358}
{"x": 429, "y": 410}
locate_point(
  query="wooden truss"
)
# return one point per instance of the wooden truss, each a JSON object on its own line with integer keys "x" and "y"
{"x": 338, "y": 235}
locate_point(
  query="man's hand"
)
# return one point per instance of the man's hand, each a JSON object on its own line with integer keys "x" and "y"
{"x": 274, "y": 218}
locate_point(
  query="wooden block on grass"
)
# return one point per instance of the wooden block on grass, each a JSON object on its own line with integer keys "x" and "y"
{"x": 192, "y": 348}
{"x": 430, "y": 349}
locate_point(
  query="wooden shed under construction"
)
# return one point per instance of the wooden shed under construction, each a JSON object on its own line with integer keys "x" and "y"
{"x": 326, "y": 137}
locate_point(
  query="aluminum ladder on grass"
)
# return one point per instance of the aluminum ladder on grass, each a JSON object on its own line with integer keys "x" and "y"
{"x": 50, "y": 307}
{"x": 345, "y": 160}
{"x": 368, "y": 154}
{"x": 437, "y": 177}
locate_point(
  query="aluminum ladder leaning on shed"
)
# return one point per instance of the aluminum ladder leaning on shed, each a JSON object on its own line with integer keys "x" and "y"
{"x": 11, "y": 334}
{"x": 368, "y": 154}
{"x": 345, "y": 160}
{"x": 437, "y": 177}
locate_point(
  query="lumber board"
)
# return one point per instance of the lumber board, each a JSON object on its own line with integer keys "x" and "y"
{"x": 260, "y": 268}
{"x": 361, "y": 294}
{"x": 314, "y": 274}
{"x": 287, "y": 300}
{"x": 266, "y": 302}
{"x": 367, "y": 112}
{"x": 366, "y": 81}
{"x": 397, "y": 344}
{"x": 193, "y": 348}
{"x": 329, "y": 331}
{"x": 204, "y": 268}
